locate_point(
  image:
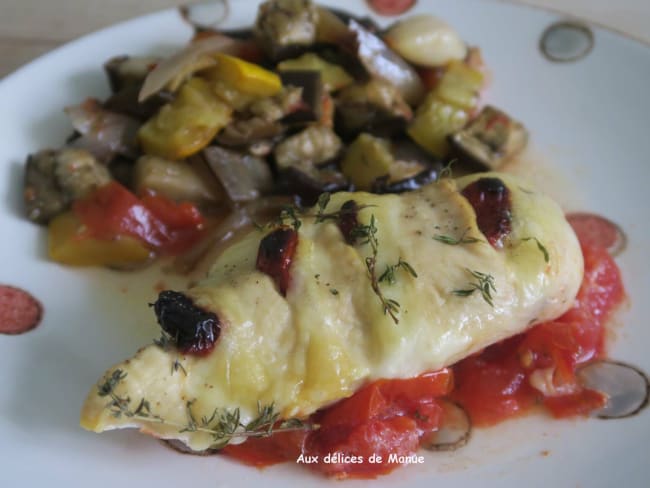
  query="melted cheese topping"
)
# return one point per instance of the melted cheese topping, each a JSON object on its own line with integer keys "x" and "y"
{"x": 313, "y": 347}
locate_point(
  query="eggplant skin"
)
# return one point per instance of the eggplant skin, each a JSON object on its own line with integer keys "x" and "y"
{"x": 54, "y": 179}
{"x": 44, "y": 198}
{"x": 285, "y": 26}
{"x": 383, "y": 185}
{"x": 309, "y": 186}
{"x": 373, "y": 106}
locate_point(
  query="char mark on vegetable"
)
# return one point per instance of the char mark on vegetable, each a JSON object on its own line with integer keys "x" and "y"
{"x": 492, "y": 203}
{"x": 194, "y": 330}
{"x": 275, "y": 256}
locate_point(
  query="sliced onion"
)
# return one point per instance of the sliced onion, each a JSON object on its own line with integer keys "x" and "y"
{"x": 243, "y": 176}
{"x": 454, "y": 431}
{"x": 626, "y": 387}
{"x": 173, "y": 70}
{"x": 103, "y": 133}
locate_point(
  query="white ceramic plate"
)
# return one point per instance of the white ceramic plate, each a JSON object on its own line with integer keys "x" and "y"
{"x": 589, "y": 119}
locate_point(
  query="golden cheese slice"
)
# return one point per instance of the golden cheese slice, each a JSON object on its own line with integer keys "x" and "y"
{"x": 330, "y": 335}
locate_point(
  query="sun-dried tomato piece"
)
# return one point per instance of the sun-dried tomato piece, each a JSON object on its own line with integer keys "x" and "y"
{"x": 275, "y": 256}
{"x": 348, "y": 220}
{"x": 194, "y": 330}
{"x": 492, "y": 203}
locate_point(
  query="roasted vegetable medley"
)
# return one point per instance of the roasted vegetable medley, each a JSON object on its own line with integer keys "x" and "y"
{"x": 308, "y": 101}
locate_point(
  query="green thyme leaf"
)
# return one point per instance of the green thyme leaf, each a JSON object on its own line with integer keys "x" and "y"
{"x": 484, "y": 284}
{"x": 540, "y": 246}
{"x": 454, "y": 241}
{"x": 222, "y": 425}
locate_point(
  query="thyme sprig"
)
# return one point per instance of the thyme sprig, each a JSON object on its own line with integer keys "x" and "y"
{"x": 292, "y": 215}
{"x": 484, "y": 284}
{"x": 367, "y": 233}
{"x": 289, "y": 213}
{"x": 540, "y": 246}
{"x": 454, "y": 241}
{"x": 389, "y": 274}
{"x": 447, "y": 171}
{"x": 223, "y": 424}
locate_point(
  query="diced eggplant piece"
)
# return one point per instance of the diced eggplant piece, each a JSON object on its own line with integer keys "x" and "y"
{"x": 309, "y": 107}
{"x": 299, "y": 159}
{"x": 490, "y": 139}
{"x": 103, "y": 133}
{"x": 309, "y": 185}
{"x": 244, "y": 132}
{"x": 424, "y": 177}
{"x": 177, "y": 180}
{"x": 244, "y": 177}
{"x": 43, "y": 196}
{"x": 381, "y": 62}
{"x": 284, "y": 27}
{"x": 375, "y": 106}
{"x": 78, "y": 172}
{"x": 261, "y": 120}
{"x": 307, "y": 149}
{"x": 412, "y": 168}
{"x": 125, "y": 71}
{"x": 54, "y": 179}
{"x": 279, "y": 106}
{"x": 125, "y": 101}
{"x": 333, "y": 76}
{"x": 382, "y": 166}
{"x": 409, "y": 154}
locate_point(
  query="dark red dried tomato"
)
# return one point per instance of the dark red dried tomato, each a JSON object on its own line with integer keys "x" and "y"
{"x": 275, "y": 255}
{"x": 348, "y": 220}
{"x": 491, "y": 200}
{"x": 194, "y": 329}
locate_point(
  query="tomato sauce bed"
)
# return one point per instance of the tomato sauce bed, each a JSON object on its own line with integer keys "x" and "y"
{"x": 392, "y": 418}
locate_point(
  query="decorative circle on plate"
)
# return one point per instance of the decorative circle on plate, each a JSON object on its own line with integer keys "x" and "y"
{"x": 205, "y": 15}
{"x": 19, "y": 311}
{"x": 391, "y": 7}
{"x": 598, "y": 230}
{"x": 626, "y": 386}
{"x": 566, "y": 41}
